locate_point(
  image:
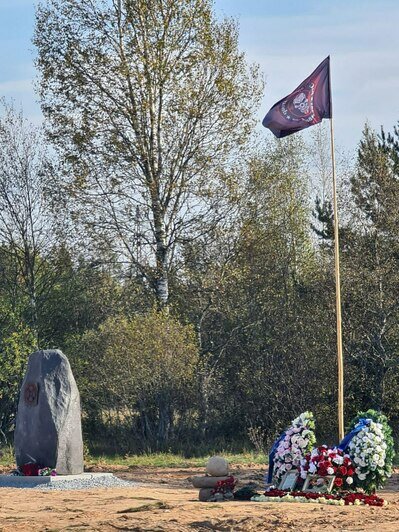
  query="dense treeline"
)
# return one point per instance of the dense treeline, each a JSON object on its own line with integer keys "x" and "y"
{"x": 185, "y": 268}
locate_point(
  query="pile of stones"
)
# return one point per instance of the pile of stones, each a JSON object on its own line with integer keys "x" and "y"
{"x": 217, "y": 470}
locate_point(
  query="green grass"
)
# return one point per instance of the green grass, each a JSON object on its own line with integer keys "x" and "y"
{"x": 7, "y": 457}
{"x": 172, "y": 460}
{"x": 169, "y": 460}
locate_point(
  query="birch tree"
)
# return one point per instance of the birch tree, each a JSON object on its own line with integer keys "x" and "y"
{"x": 149, "y": 102}
{"x": 26, "y": 227}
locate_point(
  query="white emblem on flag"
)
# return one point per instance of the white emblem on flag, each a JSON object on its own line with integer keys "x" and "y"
{"x": 298, "y": 107}
{"x": 301, "y": 103}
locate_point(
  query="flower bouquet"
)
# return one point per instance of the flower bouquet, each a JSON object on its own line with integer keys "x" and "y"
{"x": 47, "y": 472}
{"x": 345, "y": 499}
{"x": 297, "y": 441}
{"x": 224, "y": 486}
{"x": 30, "y": 470}
{"x": 34, "y": 470}
{"x": 371, "y": 450}
{"x": 323, "y": 461}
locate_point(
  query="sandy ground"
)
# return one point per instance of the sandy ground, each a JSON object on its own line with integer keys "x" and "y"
{"x": 180, "y": 511}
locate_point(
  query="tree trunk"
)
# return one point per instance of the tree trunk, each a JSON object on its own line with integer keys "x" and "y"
{"x": 164, "y": 424}
{"x": 161, "y": 275}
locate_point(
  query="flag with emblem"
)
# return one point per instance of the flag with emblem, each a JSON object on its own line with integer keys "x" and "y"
{"x": 306, "y": 106}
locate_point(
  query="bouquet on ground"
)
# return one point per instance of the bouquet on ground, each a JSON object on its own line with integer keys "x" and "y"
{"x": 340, "y": 499}
{"x": 224, "y": 486}
{"x": 323, "y": 461}
{"x": 371, "y": 450}
{"x": 47, "y": 472}
{"x": 294, "y": 444}
{"x": 33, "y": 469}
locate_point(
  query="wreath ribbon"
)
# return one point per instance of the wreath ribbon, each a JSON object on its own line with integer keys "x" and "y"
{"x": 272, "y": 455}
{"x": 360, "y": 425}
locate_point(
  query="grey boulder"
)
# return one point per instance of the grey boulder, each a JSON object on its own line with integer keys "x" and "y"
{"x": 48, "y": 428}
{"x": 205, "y": 494}
{"x": 206, "y": 482}
{"x": 217, "y": 466}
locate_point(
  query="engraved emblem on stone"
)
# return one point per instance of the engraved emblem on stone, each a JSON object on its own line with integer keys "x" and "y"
{"x": 31, "y": 393}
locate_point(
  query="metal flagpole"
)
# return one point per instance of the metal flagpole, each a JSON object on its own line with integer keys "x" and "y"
{"x": 337, "y": 293}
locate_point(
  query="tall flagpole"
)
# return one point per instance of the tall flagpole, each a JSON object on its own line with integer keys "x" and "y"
{"x": 337, "y": 288}
{"x": 279, "y": 121}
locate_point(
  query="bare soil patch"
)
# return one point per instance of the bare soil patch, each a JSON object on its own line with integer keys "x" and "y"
{"x": 164, "y": 500}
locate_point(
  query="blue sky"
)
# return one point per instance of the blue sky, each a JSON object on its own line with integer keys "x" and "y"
{"x": 287, "y": 38}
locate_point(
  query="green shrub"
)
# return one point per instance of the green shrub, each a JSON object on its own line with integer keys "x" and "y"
{"x": 16, "y": 342}
{"x": 138, "y": 374}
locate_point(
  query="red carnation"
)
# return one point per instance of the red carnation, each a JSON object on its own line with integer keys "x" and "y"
{"x": 338, "y": 482}
{"x": 30, "y": 470}
{"x": 343, "y": 470}
{"x": 325, "y": 464}
{"x": 350, "y": 471}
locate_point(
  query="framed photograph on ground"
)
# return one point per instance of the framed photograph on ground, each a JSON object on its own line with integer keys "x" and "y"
{"x": 289, "y": 480}
{"x": 317, "y": 484}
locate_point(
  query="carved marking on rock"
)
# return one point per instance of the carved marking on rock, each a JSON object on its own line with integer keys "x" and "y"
{"x": 31, "y": 393}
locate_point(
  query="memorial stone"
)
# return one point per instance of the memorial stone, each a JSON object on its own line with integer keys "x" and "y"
{"x": 48, "y": 429}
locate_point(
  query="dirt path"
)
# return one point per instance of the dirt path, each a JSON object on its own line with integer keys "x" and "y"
{"x": 165, "y": 501}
